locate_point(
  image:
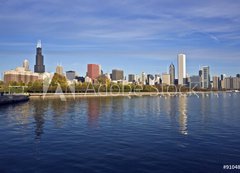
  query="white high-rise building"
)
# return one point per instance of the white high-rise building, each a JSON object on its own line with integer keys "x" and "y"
{"x": 143, "y": 78}
{"x": 182, "y": 73}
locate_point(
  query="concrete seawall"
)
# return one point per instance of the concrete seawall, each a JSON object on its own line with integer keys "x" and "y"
{"x": 103, "y": 94}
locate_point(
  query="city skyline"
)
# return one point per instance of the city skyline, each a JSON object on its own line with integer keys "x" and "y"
{"x": 136, "y": 36}
{"x": 181, "y": 67}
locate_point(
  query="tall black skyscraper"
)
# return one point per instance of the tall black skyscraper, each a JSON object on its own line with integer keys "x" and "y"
{"x": 39, "y": 67}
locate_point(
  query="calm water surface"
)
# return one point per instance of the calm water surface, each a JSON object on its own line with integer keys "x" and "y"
{"x": 141, "y": 134}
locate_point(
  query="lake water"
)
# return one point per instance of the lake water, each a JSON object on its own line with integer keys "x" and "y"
{"x": 118, "y": 134}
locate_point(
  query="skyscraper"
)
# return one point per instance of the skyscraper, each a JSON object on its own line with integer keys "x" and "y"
{"x": 205, "y": 77}
{"x": 93, "y": 71}
{"x": 200, "y": 73}
{"x": 39, "y": 67}
{"x": 182, "y": 74}
{"x": 172, "y": 73}
{"x": 228, "y": 83}
{"x": 143, "y": 78}
{"x": 216, "y": 82}
{"x": 59, "y": 70}
{"x": 117, "y": 75}
{"x": 222, "y": 76}
{"x": 26, "y": 65}
{"x": 131, "y": 78}
{"x": 236, "y": 83}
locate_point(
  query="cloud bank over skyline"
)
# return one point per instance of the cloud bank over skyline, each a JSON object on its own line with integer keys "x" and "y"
{"x": 135, "y": 35}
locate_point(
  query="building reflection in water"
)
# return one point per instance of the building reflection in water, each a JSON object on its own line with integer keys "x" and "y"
{"x": 59, "y": 109}
{"x": 23, "y": 113}
{"x": 119, "y": 107}
{"x": 39, "y": 108}
{"x": 182, "y": 108}
{"x": 93, "y": 111}
{"x": 171, "y": 109}
{"x": 113, "y": 109}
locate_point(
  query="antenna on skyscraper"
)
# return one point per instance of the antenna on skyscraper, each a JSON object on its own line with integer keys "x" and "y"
{"x": 39, "y": 44}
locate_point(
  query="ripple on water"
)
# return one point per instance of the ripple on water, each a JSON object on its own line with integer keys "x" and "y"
{"x": 141, "y": 134}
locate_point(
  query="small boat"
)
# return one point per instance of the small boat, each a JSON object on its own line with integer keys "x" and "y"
{"x": 236, "y": 91}
{"x": 13, "y": 98}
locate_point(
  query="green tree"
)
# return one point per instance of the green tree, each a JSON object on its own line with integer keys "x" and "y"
{"x": 35, "y": 87}
{"x": 1, "y": 86}
{"x": 103, "y": 80}
{"x": 59, "y": 79}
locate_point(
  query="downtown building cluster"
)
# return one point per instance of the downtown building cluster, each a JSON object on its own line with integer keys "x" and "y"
{"x": 94, "y": 72}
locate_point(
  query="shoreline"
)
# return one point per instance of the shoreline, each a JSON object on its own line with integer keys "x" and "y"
{"x": 131, "y": 94}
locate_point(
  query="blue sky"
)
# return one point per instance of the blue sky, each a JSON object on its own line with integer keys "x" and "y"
{"x": 134, "y": 35}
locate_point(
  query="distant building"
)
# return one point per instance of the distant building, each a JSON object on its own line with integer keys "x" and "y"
{"x": 26, "y": 65}
{"x": 222, "y": 82}
{"x": 108, "y": 76}
{"x": 117, "y": 75}
{"x": 20, "y": 74}
{"x": 176, "y": 81}
{"x": 59, "y": 70}
{"x": 182, "y": 73}
{"x": 143, "y": 78}
{"x": 88, "y": 79}
{"x": 93, "y": 71}
{"x": 166, "y": 79}
{"x": 200, "y": 73}
{"x": 80, "y": 79}
{"x": 222, "y": 76}
{"x": 236, "y": 83}
{"x": 172, "y": 73}
{"x": 205, "y": 77}
{"x": 228, "y": 83}
{"x": 71, "y": 75}
{"x": 195, "y": 81}
{"x": 131, "y": 78}
{"x": 150, "y": 80}
{"x": 137, "y": 78}
{"x": 39, "y": 67}
{"x": 238, "y": 75}
{"x": 216, "y": 84}
{"x": 157, "y": 79}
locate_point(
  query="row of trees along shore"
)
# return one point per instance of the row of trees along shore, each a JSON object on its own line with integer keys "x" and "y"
{"x": 103, "y": 84}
